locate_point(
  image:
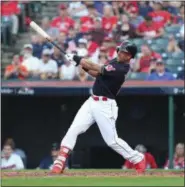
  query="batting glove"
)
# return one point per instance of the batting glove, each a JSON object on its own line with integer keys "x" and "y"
{"x": 69, "y": 57}
{"x": 72, "y": 58}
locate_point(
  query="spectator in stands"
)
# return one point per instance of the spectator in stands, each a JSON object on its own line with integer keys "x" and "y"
{"x": 15, "y": 70}
{"x": 109, "y": 21}
{"x": 82, "y": 47}
{"x": 16, "y": 151}
{"x": 178, "y": 159}
{"x": 63, "y": 22}
{"x": 38, "y": 44}
{"x": 72, "y": 40}
{"x": 51, "y": 31}
{"x": 180, "y": 16}
{"x": 150, "y": 160}
{"x": 67, "y": 71}
{"x": 10, "y": 160}
{"x": 123, "y": 30}
{"x": 81, "y": 75}
{"x": 62, "y": 40}
{"x": 97, "y": 34}
{"x": 110, "y": 45}
{"x": 149, "y": 29}
{"x": 56, "y": 56}
{"x": 160, "y": 74}
{"x": 10, "y": 11}
{"x": 173, "y": 45}
{"x": 87, "y": 22}
{"x": 135, "y": 19}
{"x": 48, "y": 68}
{"x": 142, "y": 64}
{"x": 30, "y": 62}
{"x": 159, "y": 16}
{"x": 103, "y": 59}
{"x": 77, "y": 9}
{"x": 169, "y": 8}
{"x": 47, "y": 163}
{"x": 144, "y": 8}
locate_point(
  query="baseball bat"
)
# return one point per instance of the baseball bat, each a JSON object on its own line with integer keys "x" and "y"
{"x": 40, "y": 31}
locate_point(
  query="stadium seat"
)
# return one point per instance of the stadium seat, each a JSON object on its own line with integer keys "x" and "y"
{"x": 162, "y": 42}
{"x": 172, "y": 29}
{"x": 174, "y": 62}
{"x": 174, "y": 68}
{"x": 137, "y": 76}
{"x": 139, "y": 42}
{"x": 157, "y": 48}
{"x": 179, "y": 55}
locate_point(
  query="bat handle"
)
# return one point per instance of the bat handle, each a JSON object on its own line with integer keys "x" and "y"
{"x": 53, "y": 43}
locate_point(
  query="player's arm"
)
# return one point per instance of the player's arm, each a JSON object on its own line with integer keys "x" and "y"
{"x": 90, "y": 67}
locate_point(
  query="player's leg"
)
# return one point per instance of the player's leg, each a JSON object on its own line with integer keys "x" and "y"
{"x": 82, "y": 121}
{"x": 105, "y": 113}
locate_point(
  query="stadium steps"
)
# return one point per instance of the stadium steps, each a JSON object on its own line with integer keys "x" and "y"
{"x": 7, "y": 52}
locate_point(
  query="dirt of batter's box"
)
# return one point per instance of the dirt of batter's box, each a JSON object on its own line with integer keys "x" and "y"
{"x": 90, "y": 174}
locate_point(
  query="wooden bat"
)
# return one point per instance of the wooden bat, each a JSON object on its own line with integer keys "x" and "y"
{"x": 40, "y": 31}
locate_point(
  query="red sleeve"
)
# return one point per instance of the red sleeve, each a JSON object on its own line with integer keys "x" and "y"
{"x": 140, "y": 27}
{"x": 128, "y": 165}
{"x": 152, "y": 161}
{"x": 157, "y": 55}
{"x": 54, "y": 22}
{"x": 71, "y": 21}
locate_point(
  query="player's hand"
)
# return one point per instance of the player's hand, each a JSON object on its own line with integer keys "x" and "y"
{"x": 69, "y": 56}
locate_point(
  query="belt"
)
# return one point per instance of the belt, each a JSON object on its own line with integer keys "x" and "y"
{"x": 99, "y": 98}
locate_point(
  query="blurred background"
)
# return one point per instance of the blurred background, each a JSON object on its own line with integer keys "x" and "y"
{"x": 41, "y": 92}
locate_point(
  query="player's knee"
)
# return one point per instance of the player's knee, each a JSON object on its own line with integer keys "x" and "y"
{"x": 111, "y": 143}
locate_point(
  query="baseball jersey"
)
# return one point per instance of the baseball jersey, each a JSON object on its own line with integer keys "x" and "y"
{"x": 14, "y": 162}
{"x": 110, "y": 81}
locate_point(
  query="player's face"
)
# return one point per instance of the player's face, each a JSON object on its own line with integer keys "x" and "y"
{"x": 123, "y": 56}
{"x": 180, "y": 150}
{"x": 7, "y": 150}
{"x": 54, "y": 154}
{"x": 160, "y": 67}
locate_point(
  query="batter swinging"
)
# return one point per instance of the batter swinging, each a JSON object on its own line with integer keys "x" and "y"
{"x": 101, "y": 107}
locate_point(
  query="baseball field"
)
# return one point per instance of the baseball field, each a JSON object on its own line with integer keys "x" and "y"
{"x": 92, "y": 178}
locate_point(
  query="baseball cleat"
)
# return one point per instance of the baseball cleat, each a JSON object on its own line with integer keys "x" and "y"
{"x": 141, "y": 166}
{"x": 57, "y": 169}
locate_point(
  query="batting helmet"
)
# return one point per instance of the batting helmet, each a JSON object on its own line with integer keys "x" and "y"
{"x": 128, "y": 47}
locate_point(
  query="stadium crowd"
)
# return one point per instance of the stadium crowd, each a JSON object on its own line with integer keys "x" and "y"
{"x": 95, "y": 29}
{"x": 13, "y": 158}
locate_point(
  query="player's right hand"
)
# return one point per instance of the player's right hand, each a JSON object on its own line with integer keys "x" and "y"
{"x": 69, "y": 57}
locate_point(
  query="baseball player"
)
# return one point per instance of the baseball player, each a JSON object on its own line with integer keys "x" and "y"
{"x": 101, "y": 107}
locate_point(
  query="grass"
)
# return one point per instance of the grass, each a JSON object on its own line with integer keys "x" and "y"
{"x": 89, "y": 178}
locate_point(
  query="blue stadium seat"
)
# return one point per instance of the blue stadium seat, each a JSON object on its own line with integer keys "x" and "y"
{"x": 139, "y": 41}
{"x": 157, "y": 48}
{"x": 174, "y": 68}
{"x": 172, "y": 29}
{"x": 174, "y": 62}
{"x": 137, "y": 76}
{"x": 179, "y": 55}
{"x": 162, "y": 42}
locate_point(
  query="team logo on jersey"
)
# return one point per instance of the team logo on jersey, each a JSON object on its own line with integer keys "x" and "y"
{"x": 110, "y": 68}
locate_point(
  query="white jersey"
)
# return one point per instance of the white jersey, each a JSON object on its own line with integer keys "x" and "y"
{"x": 14, "y": 162}
{"x": 49, "y": 67}
{"x": 32, "y": 63}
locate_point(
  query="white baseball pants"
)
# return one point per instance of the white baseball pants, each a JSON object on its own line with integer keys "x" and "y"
{"x": 104, "y": 113}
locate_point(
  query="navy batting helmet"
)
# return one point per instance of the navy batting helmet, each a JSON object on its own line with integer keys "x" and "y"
{"x": 128, "y": 47}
